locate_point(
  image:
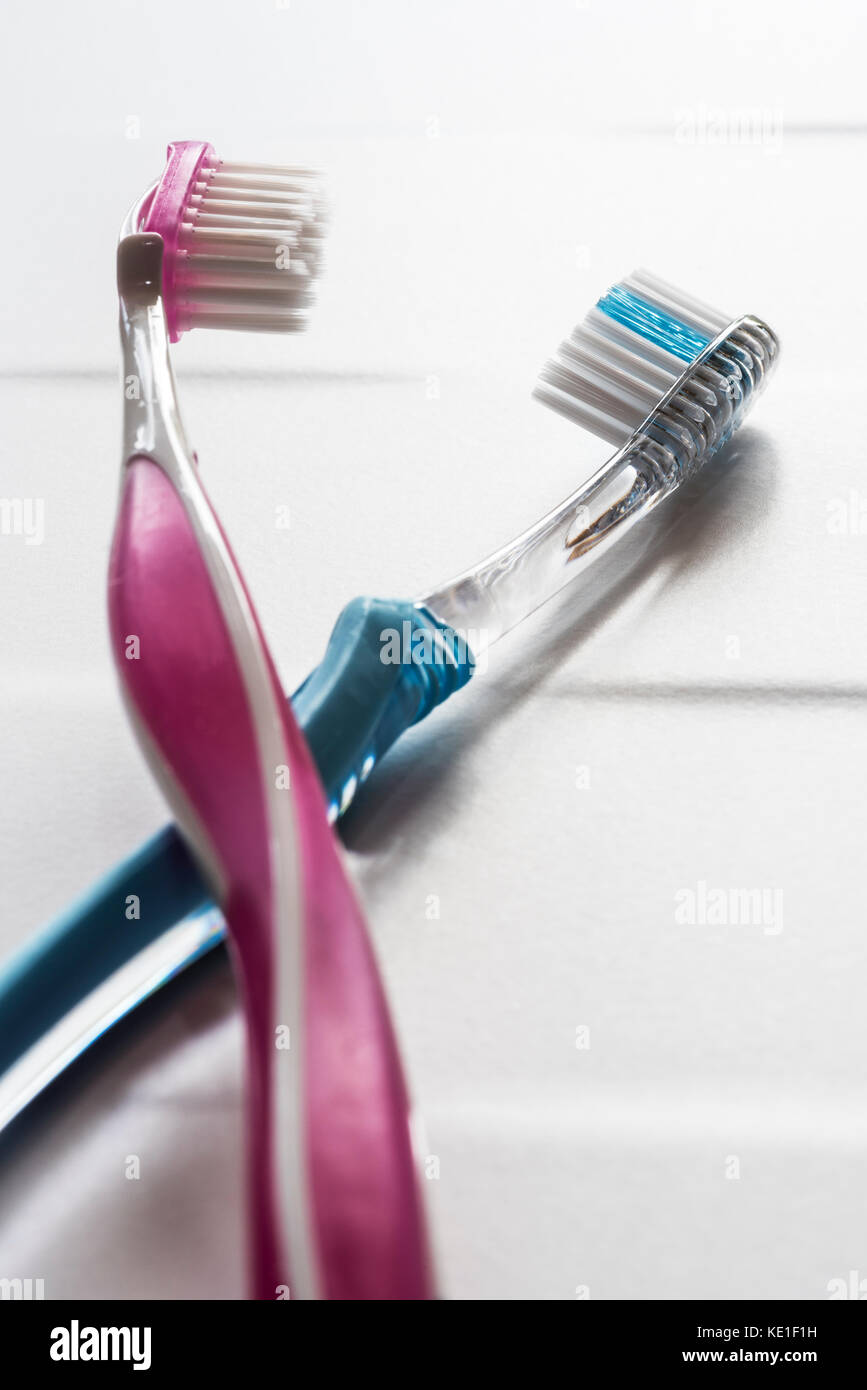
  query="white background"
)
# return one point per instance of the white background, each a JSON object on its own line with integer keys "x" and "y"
{"x": 492, "y": 168}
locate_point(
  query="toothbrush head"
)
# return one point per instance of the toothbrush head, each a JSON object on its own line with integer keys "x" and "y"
{"x": 659, "y": 373}
{"x": 242, "y": 242}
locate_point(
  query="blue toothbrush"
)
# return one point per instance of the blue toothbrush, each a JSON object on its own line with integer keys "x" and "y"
{"x": 664, "y": 378}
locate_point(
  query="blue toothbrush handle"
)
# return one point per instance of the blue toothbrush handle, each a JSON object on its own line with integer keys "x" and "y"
{"x": 352, "y": 708}
{"x": 388, "y": 664}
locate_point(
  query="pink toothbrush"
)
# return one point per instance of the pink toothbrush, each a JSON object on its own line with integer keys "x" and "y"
{"x": 335, "y": 1204}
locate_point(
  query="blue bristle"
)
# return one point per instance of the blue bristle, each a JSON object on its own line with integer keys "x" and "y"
{"x": 654, "y": 324}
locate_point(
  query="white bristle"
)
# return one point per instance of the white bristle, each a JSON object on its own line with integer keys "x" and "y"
{"x": 608, "y": 377}
{"x": 249, "y": 249}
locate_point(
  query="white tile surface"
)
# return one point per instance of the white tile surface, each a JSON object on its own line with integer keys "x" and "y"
{"x": 711, "y": 678}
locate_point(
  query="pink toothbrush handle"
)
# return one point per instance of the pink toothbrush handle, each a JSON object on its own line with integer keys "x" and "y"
{"x": 336, "y": 1210}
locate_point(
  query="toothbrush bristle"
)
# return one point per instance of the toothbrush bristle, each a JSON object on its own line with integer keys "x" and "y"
{"x": 249, "y": 248}
{"x": 630, "y": 350}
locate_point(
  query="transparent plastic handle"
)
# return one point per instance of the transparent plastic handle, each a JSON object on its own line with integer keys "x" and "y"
{"x": 491, "y": 599}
